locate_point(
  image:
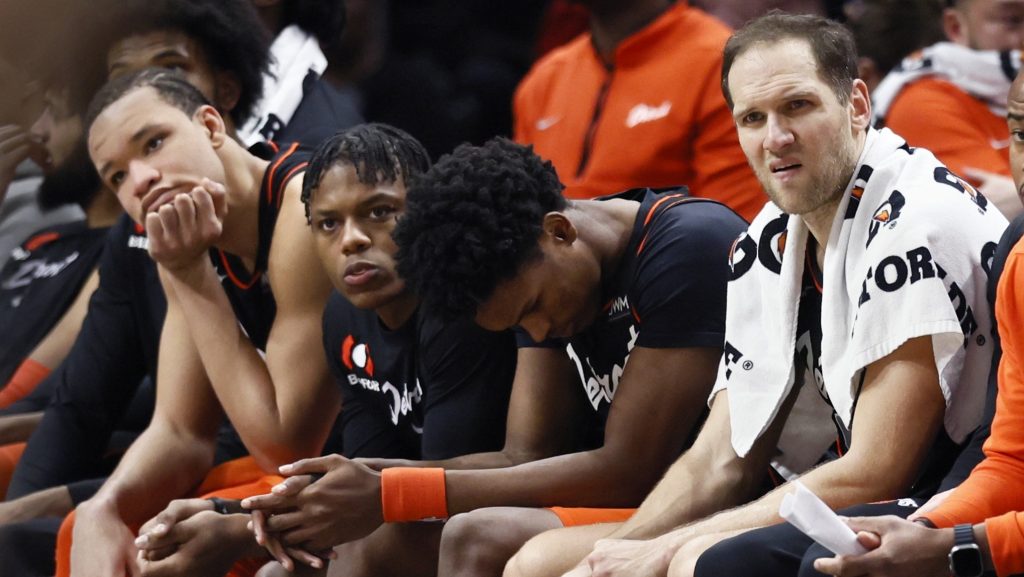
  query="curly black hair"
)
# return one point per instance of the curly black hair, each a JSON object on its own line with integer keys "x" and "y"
{"x": 472, "y": 221}
{"x": 379, "y": 153}
{"x": 230, "y": 33}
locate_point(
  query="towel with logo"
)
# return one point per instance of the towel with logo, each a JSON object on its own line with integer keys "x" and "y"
{"x": 907, "y": 257}
{"x": 984, "y": 74}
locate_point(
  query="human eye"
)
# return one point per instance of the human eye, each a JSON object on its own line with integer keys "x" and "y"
{"x": 752, "y": 118}
{"x": 382, "y": 212}
{"x": 154, "y": 143}
{"x": 798, "y": 104}
{"x": 116, "y": 179}
{"x": 326, "y": 225}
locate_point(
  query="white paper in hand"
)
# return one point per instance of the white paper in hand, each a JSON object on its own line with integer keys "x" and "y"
{"x": 811, "y": 515}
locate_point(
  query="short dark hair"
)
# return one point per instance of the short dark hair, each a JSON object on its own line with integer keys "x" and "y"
{"x": 378, "y": 152}
{"x": 831, "y": 44}
{"x": 472, "y": 221}
{"x": 232, "y": 37}
{"x": 170, "y": 86}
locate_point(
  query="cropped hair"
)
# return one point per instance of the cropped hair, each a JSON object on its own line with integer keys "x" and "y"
{"x": 230, "y": 33}
{"x": 378, "y": 153}
{"x": 170, "y": 86}
{"x": 832, "y": 46}
{"x": 473, "y": 221}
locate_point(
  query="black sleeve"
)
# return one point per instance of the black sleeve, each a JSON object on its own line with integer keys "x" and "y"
{"x": 94, "y": 385}
{"x": 681, "y": 276}
{"x": 972, "y": 453}
{"x": 466, "y": 373}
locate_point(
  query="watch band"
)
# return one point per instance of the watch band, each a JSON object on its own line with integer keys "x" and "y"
{"x": 225, "y": 506}
{"x": 965, "y": 558}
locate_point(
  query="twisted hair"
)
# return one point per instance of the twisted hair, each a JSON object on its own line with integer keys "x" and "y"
{"x": 378, "y": 152}
{"x": 472, "y": 221}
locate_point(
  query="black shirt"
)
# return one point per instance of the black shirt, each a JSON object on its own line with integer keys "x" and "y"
{"x": 38, "y": 284}
{"x": 668, "y": 291}
{"x": 427, "y": 390}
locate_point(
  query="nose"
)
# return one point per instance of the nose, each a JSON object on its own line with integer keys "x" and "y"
{"x": 142, "y": 176}
{"x": 353, "y": 239}
{"x": 40, "y": 129}
{"x": 777, "y": 134}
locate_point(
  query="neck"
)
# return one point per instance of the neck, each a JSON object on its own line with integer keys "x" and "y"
{"x": 606, "y": 226}
{"x": 613, "y": 22}
{"x": 397, "y": 312}
{"x": 103, "y": 210}
{"x": 243, "y": 176}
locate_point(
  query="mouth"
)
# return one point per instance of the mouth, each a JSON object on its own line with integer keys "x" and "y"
{"x": 360, "y": 273}
{"x": 784, "y": 167}
{"x": 157, "y": 198}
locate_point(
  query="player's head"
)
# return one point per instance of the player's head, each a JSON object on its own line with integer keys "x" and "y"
{"x": 68, "y": 174}
{"x": 153, "y": 135}
{"x": 221, "y": 46}
{"x": 1015, "y": 120}
{"x": 985, "y": 24}
{"x": 354, "y": 190}
{"x": 487, "y": 234}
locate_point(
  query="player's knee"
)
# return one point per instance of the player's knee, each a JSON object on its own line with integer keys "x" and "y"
{"x": 720, "y": 559}
{"x": 477, "y": 543}
{"x": 531, "y": 560}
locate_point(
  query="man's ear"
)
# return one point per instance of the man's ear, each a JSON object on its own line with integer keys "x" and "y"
{"x": 860, "y": 106}
{"x": 559, "y": 229}
{"x": 213, "y": 122}
{"x": 954, "y": 26}
{"x": 227, "y": 91}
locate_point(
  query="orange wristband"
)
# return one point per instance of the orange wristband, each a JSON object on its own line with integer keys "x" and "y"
{"x": 23, "y": 382}
{"x": 413, "y": 494}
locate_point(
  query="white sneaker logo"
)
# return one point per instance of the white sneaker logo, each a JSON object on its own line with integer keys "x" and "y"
{"x": 642, "y": 113}
{"x": 547, "y": 122}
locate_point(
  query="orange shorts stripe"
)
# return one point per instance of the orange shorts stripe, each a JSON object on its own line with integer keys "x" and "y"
{"x": 577, "y": 516}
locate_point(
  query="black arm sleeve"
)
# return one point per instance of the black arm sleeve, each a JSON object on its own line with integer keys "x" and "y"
{"x": 467, "y": 375}
{"x": 94, "y": 385}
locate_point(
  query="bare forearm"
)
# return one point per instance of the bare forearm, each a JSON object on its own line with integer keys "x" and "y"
{"x": 18, "y": 428}
{"x": 52, "y": 502}
{"x": 161, "y": 465}
{"x": 599, "y": 478}
{"x": 239, "y": 375}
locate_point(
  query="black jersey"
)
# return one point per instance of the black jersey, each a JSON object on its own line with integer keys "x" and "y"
{"x": 119, "y": 341}
{"x": 668, "y": 291}
{"x": 38, "y": 284}
{"x": 427, "y": 390}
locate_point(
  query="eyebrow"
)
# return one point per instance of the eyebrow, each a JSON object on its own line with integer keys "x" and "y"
{"x": 1013, "y": 116}
{"x": 140, "y": 134}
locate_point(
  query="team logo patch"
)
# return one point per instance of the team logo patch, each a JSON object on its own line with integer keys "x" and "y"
{"x": 886, "y": 215}
{"x": 642, "y": 113}
{"x": 356, "y": 355}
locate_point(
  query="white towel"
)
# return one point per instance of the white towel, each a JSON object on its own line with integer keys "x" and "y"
{"x": 984, "y": 74}
{"x": 907, "y": 257}
{"x": 294, "y": 54}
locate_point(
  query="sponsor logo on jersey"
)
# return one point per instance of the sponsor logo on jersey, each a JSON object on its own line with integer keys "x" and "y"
{"x": 886, "y": 215}
{"x": 37, "y": 269}
{"x": 618, "y": 307}
{"x": 642, "y": 113}
{"x": 944, "y": 176}
{"x": 356, "y": 355}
